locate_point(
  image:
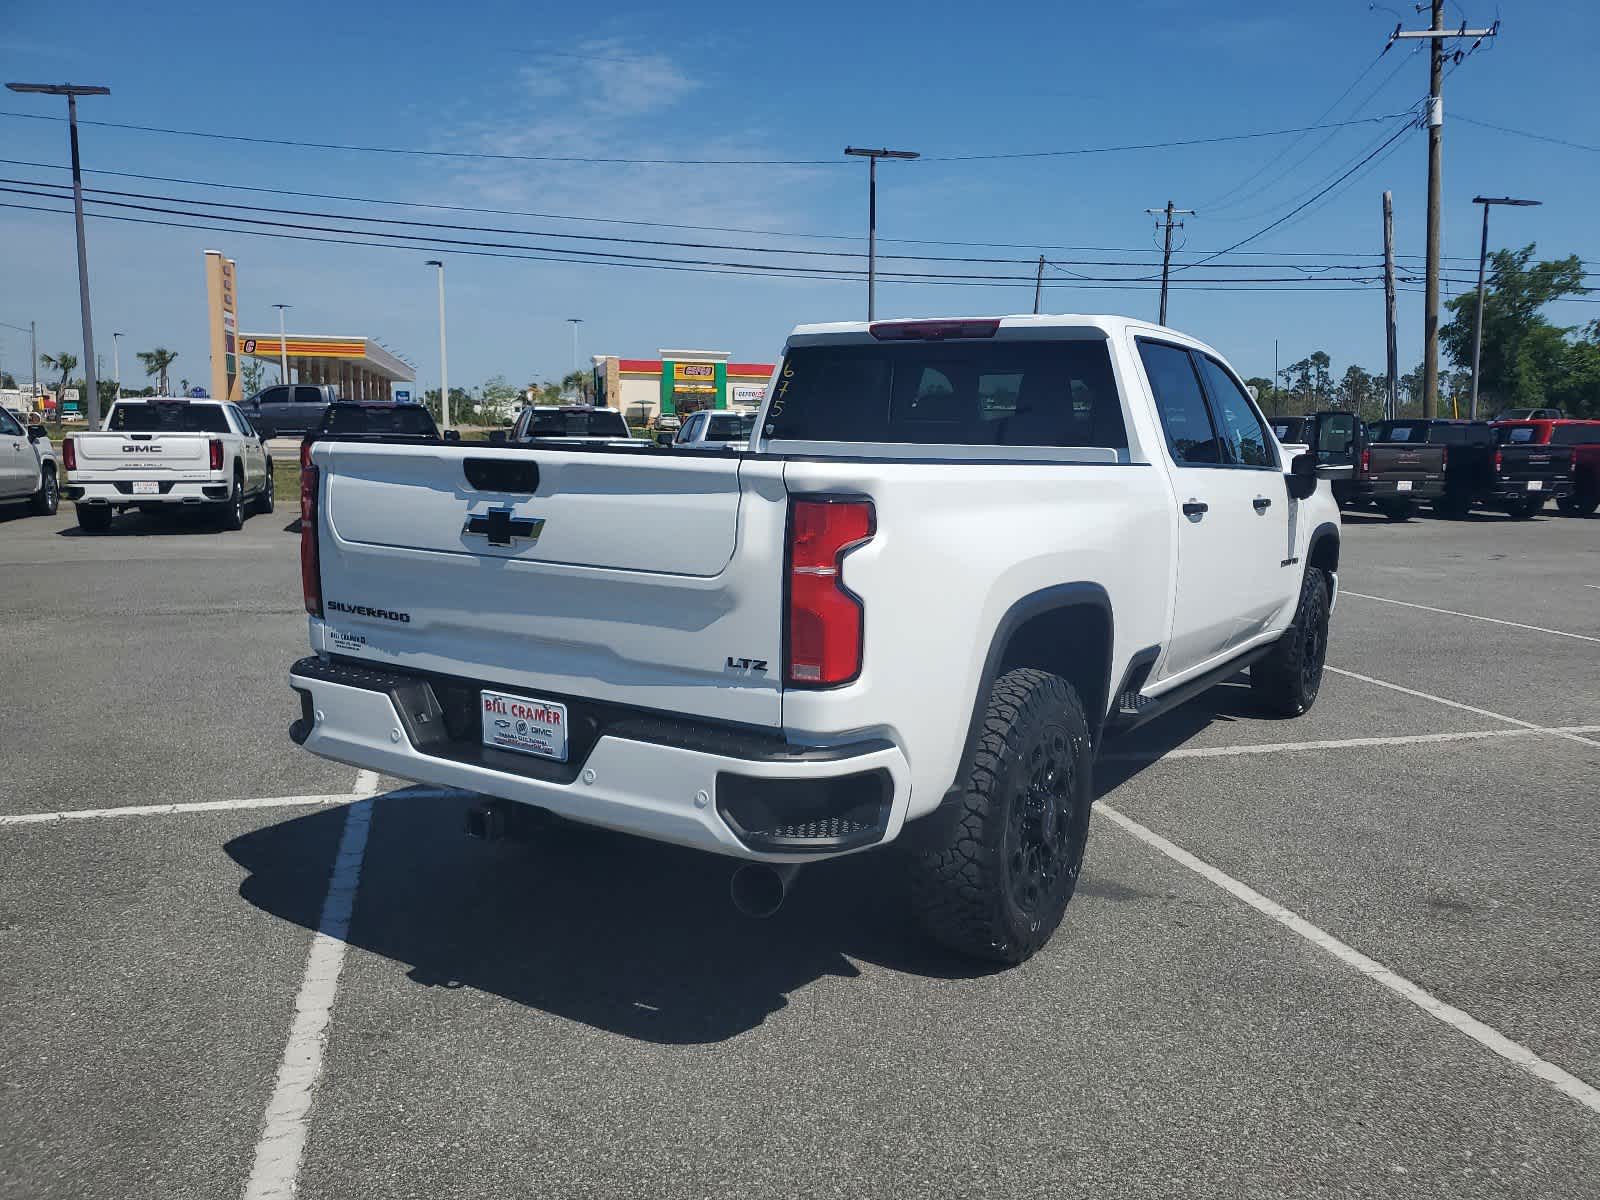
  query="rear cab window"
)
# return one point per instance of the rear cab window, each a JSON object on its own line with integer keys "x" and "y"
{"x": 1575, "y": 435}
{"x": 1018, "y": 393}
{"x": 407, "y": 420}
{"x": 730, "y": 427}
{"x": 576, "y": 423}
{"x": 168, "y": 418}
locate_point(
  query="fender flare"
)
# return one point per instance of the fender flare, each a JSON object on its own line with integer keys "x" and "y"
{"x": 1323, "y": 532}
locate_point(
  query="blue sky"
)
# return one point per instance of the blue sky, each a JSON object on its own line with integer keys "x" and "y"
{"x": 717, "y": 80}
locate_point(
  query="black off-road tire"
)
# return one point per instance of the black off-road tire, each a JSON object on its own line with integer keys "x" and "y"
{"x": 1526, "y": 510}
{"x": 48, "y": 498}
{"x": 1581, "y": 505}
{"x": 268, "y": 499}
{"x": 94, "y": 518}
{"x": 230, "y": 514}
{"x": 992, "y": 877}
{"x": 1287, "y": 680}
{"x": 1402, "y": 511}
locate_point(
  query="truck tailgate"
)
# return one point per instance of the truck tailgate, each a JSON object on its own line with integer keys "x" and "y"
{"x": 611, "y": 576}
{"x": 144, "y": 453}
{"x": 1535, "y": 462}
{"x": 1387, "y": 461}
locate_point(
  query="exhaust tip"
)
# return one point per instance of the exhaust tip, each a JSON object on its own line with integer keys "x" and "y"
{"x": 758, "y": 889}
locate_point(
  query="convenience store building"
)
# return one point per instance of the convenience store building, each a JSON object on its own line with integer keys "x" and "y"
{"x": 677, "y": 382}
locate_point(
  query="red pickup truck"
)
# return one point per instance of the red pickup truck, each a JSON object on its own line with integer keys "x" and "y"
{"x": 1583, "y": 437}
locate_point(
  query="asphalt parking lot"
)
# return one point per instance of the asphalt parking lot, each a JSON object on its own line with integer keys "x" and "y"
{"x": 1356, "y": 954}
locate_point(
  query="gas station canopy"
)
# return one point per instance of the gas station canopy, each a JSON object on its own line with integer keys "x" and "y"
{"x": 359, "y": 367}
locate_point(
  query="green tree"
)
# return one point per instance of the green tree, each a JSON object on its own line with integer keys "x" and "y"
{"x": 1266, "y": 394}
{"x": 7, "y": 380}
{"x": 581, "y": 385}
{"x": 158, "y": 362}
{"x": 65, "y": 363}
{"x": 252, "y": 376}
{"x": 1321, "y": 375}
{"x": 1358, "y": 393}
{"x": 1524, "y": 356}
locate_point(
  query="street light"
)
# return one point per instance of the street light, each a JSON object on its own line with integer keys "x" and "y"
{"x": 1483, "y": 254}
{"x": 72, "y": 91}
{"x": 574, "y": 322}
{"x": 872, "y": 157}
{"x": 116, "y": 360}
{"x": 33, "y": 352}
{"x": 444, "y": 362}
{"x": 283, "y": 346}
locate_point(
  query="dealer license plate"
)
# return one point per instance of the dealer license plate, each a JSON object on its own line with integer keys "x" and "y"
{"x": 1535, "y": 485}
{"x": 1403, "y": 485}
{"x": 525, "y": 724}
{"x": 146, "y": 487}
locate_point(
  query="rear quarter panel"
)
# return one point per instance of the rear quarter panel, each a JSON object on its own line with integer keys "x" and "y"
{"x": 957, "y": 545}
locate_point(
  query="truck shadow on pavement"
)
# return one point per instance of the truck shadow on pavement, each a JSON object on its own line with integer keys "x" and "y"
{"x": 625, "y": 935}
{"x": 148, "y": 525}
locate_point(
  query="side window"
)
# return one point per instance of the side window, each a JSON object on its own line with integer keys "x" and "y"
{"x": 1181, "y": 404}
{"x": 9, "y": 426}
{"x": 308, "y": 395}
{"x": 275, "y": 395}
{"x": 1244, "y": 438}
{"x": 242, "y": 421}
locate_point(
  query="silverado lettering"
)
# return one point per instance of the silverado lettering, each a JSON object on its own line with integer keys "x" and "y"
{"x": 361, "y": 610}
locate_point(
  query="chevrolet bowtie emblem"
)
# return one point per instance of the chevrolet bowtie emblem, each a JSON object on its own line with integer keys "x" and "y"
{"x": 502, "y": 529}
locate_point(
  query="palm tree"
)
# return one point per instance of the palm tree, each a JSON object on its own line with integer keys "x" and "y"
{"x": 156, "y": 362}
{"x": 65, "y": 363}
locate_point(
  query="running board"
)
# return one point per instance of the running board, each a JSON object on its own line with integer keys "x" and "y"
{"x": 1134, "y": 708}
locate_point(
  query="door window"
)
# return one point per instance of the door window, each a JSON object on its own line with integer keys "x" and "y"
{"x": 1181, "y": 404}
{"x": 308, "y": 395}
{"x": 1244, "y": 435}
{"x": 9, "y": 426}
{"x": 1336, "y": 438}
{"x": 275, "y": 395}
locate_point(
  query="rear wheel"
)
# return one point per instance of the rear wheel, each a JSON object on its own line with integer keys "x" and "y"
{"x": 48, "y": 498}
{"x": 232, "y": 515}
{"x": 1580, "y": 505}
{"x": 1402, "y": 510}
{"x": 1525, "y": 509}
{"x": 1287, "y": 680}
{"x": 999, "y": 866}
{"x": 1453, "y": 507}
{"x": 94, "y": 518}
{"x": 268, "y": 499}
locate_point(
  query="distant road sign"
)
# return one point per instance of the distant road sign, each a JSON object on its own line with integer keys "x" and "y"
{"x": 402, "y": 396}
{"x": 199, "y": 393}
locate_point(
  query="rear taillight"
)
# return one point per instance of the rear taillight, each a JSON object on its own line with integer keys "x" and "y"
{"x": 1366, "y": 461}
{"x": 825, "y": 617}
{"x": 216, "y": 454}
{"x": 305, "y": 454}
{"x": 69, "y": 454}
{"x": 1499, "y": 459}
{"x": 310, "y": 563}
{"x": 1444, "y": 456}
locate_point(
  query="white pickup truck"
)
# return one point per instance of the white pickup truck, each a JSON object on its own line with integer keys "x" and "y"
{"x": 166, "y": 453}
{"x": 957, "y": 555}
{"x": 28, "y": 467}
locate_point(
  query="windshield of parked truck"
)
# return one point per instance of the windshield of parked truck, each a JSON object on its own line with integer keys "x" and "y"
{"x": 167, "y": 418}
{"x": 731, "y": 427}
{"x": 1517, "y": 435}
{"x": 599, "y": 422}
{"x": 993, "y": 393}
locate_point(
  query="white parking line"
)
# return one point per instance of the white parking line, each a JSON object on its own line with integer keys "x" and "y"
{"x": 283, "y": 1130}
{"x": 1410, "y": 739}
{"x": 1482, "y": 712}
{"x": 1450, "y": 612}
{"x": 167, "y": 810}
{"x": 366, "y": 783}
{"x": 1492, "y": 1039}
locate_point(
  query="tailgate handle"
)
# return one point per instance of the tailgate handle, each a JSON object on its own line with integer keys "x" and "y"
{"x": 502, "y": 475}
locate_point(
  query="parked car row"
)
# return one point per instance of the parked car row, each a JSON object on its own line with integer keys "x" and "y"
{"x": 1515, "y": 466}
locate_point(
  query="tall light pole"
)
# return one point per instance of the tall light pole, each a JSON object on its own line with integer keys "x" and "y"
{"x": 872, "y": 157}
{"x": 283, "y": 345}
{"x": 1483, "y": 255}
{"x": 116, "y": 361}
{"x": 72, "y": 91}
{"x": 444, "y": 360}
{"x": 574, "y": 322}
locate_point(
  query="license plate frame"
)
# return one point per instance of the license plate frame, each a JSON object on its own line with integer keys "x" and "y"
{"x": 1403, "y": 485}
{"x": 146, "y": 487}
{"x": 1536, "y": 485}
{"x": 524, "y": 724}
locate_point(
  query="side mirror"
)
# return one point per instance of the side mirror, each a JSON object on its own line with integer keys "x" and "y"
{"x": 35, "y": 432}
{"x": 665, "y": 439}
{"x": 1301, "y": 479}
{"x": 454, "y": 435}
{"x": 497, "y": 437}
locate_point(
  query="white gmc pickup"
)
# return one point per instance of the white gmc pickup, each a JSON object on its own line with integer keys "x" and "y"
{"x": 957, "y": 555}
{"x": 167, "y": 452}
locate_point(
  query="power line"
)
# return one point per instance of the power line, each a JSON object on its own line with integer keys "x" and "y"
{"x": 680, "y": 162}
{"x": 1538, "y": 137}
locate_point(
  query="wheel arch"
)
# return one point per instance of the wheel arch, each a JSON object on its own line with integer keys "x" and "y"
{"x": 1322, "y": 551}
{"x": 1066, "y": 630}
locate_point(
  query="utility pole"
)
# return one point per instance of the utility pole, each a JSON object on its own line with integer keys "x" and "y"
{"x": 574, "y": 322}
{"x": 283, "y": 345}
{"x": 1437, "y": 35}
{"x": 1038, "y": 284}
{"x": 1483, "y": 256}
{"x": 872, "y": 157}
{"x": 1166, "y": 249}
{"x": 1391, "y": 394}
{"x": 116, "y": 361}
{"x": 444, "y": 361}
{"x": 33, "y": 352}
{"x": 72, "y": 91}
